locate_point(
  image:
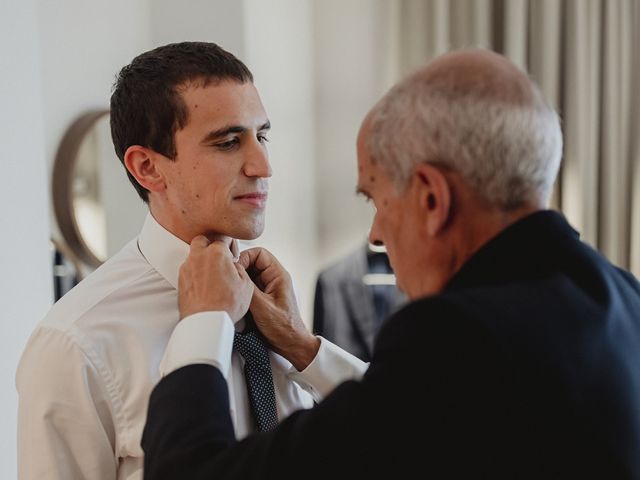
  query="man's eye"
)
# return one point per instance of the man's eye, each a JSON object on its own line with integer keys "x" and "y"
{"x": 229, "y": 144}
{"x": 262, "y": 138}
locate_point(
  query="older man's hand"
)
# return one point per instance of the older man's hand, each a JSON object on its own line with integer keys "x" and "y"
{"x": 275, "y": 310}
{"x": 209, "y": 280}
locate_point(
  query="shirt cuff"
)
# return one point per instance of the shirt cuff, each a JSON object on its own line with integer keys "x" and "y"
{"x": 330, "y": 367}
{"x": 205, "y": 337}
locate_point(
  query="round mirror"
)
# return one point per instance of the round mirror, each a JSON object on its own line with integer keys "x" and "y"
{"x": 96, "y": 207}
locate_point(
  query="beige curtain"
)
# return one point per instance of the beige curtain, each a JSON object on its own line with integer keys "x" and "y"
{"x": 585, "y": 55}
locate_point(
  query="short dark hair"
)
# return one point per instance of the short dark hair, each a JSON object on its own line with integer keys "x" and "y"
{"x": 146, "y": 107}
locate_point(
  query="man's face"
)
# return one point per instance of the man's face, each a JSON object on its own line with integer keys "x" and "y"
{"x": 217, "y": 184}
{"x": 394, "y": 224}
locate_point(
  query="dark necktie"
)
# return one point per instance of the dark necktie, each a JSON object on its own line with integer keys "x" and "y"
{"x": 257, "y": 371}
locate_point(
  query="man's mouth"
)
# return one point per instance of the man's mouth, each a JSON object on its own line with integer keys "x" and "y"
{"x": 255, "y": 199}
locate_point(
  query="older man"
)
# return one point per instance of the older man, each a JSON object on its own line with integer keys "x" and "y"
{"x": 519, "y": 353}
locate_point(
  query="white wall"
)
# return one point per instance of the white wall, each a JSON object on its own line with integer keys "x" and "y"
{"x": 26, "y": 285}
{"x": 83, "y": 44}
{"x": 219, "y": 21}
{"x": 351, "y": 65}
{"x": 279, "y": 51}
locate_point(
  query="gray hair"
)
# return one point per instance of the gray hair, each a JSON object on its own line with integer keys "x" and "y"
{"x": 507, "y": 150}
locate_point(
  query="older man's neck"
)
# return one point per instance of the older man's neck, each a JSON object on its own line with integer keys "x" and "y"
{"x": 480, "y": 227}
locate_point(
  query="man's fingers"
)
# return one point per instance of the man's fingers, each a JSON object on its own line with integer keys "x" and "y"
{"x": 199, "y": 241}
{"x": 259, "y": 259}
{"x": 264, "y": 260}
{"x": 263, "y": 267}
{"x": 248, "y": 257}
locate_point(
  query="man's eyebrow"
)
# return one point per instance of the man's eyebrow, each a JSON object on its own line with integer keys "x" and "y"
{"x": 224, "y": 131}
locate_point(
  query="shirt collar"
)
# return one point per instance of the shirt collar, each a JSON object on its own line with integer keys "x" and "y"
{"x": 166, "y": 252}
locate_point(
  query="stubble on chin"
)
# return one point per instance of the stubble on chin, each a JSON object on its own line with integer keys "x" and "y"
{"x": 251, "y": 230}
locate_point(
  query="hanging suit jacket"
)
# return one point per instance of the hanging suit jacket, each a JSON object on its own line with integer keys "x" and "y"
{"x": 346, "y": 311}
{"x": 527, "y": 366}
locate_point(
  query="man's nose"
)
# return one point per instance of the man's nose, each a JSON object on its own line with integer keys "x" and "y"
{"x": 375, "y": 237}
{"x": 373, "y": 240}
{"x": 257, "y": 163}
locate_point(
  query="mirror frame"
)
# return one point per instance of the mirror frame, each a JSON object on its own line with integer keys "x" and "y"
{"x": 62, "y": 187}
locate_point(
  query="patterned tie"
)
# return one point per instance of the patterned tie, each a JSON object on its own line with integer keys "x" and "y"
{"x": 257, "y": 371}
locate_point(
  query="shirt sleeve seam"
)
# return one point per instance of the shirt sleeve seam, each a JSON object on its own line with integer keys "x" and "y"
{"x": 111, "y": 387}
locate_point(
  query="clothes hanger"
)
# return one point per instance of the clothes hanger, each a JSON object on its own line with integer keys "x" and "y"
{"x": 373, "y": 248}
{"x": 378, "y": 278}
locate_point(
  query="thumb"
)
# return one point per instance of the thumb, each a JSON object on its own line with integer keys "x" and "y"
{"x": 199, "y": 242}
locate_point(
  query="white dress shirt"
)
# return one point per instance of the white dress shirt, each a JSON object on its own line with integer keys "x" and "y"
{"x": 88, "y": 369}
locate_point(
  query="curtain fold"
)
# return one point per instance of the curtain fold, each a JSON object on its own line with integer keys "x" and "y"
{"x": 634, "y": 142}
{"x": 584, "y": 55}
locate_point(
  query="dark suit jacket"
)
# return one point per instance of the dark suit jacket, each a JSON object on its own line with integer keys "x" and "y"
{"x": 344, "y": 308}
{"x": 527, "y": 366}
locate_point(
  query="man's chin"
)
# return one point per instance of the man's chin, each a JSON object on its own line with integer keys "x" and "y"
{"x": 248, "y": 233}
{"x": 246, "y": 238}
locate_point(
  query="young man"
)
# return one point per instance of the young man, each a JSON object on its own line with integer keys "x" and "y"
{"x": 189, "y": 126}
{"x": 519, "y": 353}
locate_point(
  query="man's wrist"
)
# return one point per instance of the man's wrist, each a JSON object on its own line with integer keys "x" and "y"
{"x": 305, "y": 352}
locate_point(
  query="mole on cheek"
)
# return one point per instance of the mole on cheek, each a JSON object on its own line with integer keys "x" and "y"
{"x": 385, "y": 202}
{"x": 184, "y": 212}
{"x": 197, "y": 195}
{"x": 372, "y": 179}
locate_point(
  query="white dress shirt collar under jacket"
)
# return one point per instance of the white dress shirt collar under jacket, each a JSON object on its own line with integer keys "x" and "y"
{"x": 88, "y": 369}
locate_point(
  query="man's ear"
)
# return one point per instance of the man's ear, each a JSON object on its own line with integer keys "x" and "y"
{"x": 434, "y": 197}
{"x": 142, "y": 163}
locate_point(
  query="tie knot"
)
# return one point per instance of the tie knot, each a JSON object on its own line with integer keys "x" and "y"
{"x": 251, "y": 346}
